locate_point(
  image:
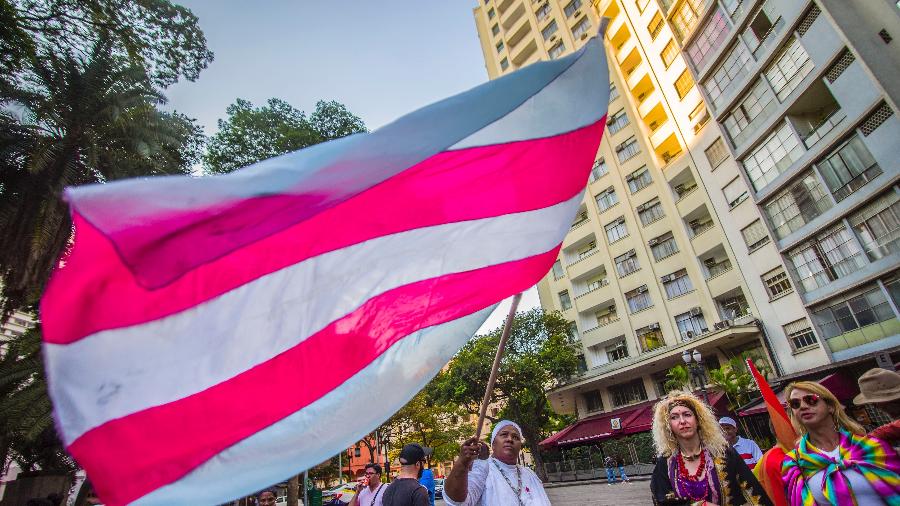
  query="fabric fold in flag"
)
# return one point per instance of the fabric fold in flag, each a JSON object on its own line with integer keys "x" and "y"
{"x": 202, "y": 333}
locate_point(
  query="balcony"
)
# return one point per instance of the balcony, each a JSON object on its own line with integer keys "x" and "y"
{"x": 815, "y": 114}
{"x": 519, "y": 32}
{"x": 525, "y": 50}
{"x": 603, "y": 332}
{"x": 650, "y": 100}
{"x": 508, "y": 19}
{"x": 768, "y": 39}
{"x": 578, "y": 234}
{"x": 662, "y": 132}
{"x": 583, "y": 264}
{"x": 595, "y": 299}
{"x": 690, "y": 201}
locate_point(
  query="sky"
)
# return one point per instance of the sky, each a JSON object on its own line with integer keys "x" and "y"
{"x": 382, "y": 59}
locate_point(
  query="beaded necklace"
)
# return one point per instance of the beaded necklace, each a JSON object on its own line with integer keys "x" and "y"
{"x": 694, "y": 486}
{"x": 518, "y": 491}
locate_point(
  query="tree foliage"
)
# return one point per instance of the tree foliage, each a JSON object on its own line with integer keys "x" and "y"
{"x": 75, "y": 120}
{"x": 678, "y": 378}
{"x": 735, "y": 380}
{"x": 250, "y": 134}
{"x": 539, "y": 355}
{"x": 161, "y": 38}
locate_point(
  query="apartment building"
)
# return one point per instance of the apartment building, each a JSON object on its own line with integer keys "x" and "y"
{"x": 744, "y": 195}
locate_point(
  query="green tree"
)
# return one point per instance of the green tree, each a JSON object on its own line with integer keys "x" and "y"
{"x": 75, "y": 120}
{"x": 735, "y": 380}
{"x": 539, "y": 355}
{"x": 250, "y": 134}
{"x": 678, "y": 378}
{"x": 161, "y": 38}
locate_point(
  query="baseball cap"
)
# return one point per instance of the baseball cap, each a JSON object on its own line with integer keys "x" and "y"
{"x": 727, "y": 420}
{"x": 412, "y": 453}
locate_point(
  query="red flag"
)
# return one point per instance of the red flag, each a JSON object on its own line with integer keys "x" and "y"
{"x": 768, "y": 469}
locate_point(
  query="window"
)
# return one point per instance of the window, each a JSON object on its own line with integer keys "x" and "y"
{"x": 581, "y": 28}
{"x": 686, "y": 17}
{"x": 755, "y": 235}
{"x": 641, "y": 5}
{"x": 599, "y": 169}
{"x": 676, "y": 284}
{"x": 542, "y": 13}
{"x": 663, "y": 246}
{"x": 617, "y": 351}
{"x": 797, "y": 205}
{"x": 710, "y": 38}
{"x": 733, "y": 307}
{"x": 491, "y": 14}
{"x": 777, "y": 282}
{"x": 628, "y": 393}
{"x": 638, "y": 180}
{"x": 616, "y": 230}
{"x": 606, "y": 199}
{"x": 735, "y": 192}
{"x": 800, "y": 334}
{"x": 564, "y": 301}
{"x": 878, "y": 225}
{"x": 848, "y": 168}
{"x": 669, "y": 53}
{"x": 650, "y": 338}
{"x": 549, "y": 30}
{"x": 617, "y": 122}
{"x": 790, "y": 66}
{"x": 572, "y": 7}
{"x": 733, "y": 67}
{"x": 759, "y": 28}
{"x": 862, "y": 318}
{"x": 593, "y": 401}
{"x": 780, "y": 149}
{"x": 650, "y": 211}
{"x": 573, "y": 331}
{"x": 655, "y": 25}
{"x": 504, "y": 64}
{"x": 558, "y": 270}
{"x": 626, "y": 264}
{"x": 613, "y": 92}
{"x": 757, "y": 104}
{"x": 495, "y": 30}
{"x": 500, "y": 47}
{"x": 691, "y": 324}
{"x": 684, "y": 83}
{"x": 638, "y": 299}
{"x": 825, "y": 258}
{"x": 627, "y": 150}
{"x": 606, "y": 316}
{"x": 557, "y": 50}
{"x": 716, "y": 153}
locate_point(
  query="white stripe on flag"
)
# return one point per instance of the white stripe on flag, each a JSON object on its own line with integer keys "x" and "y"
{"x": 117, "y": 372}
{"x": 303, "y": 439}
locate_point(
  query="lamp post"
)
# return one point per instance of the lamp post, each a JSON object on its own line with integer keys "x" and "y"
{"x": 694, "y": 362}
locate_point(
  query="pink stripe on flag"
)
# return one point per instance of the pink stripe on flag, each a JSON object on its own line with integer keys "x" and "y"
{"x": 134, "y": 455}
{"x": 450, "y": 187}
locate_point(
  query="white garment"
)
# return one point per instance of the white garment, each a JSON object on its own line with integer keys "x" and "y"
{"x": 367, "y": 494}
{"x": 488, "y": 488}
{"x": 748, "y": 450}
{"x": 863, "y": 492}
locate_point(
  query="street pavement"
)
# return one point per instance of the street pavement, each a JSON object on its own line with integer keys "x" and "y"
{"x": 621, "y": 494}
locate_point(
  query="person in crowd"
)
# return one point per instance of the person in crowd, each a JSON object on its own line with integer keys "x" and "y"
{"x": 697, "y": 466}
{"x": 746, "y": 448}
{"x": 370, "y": 491}
{"x": 834, "y": 462}
{"x": 610, "y": 463}
{"x": 498, "y": 480}
{"x": 266, "y": 497}
{"x": 882, "y": 388}
{"x": 620, "y": 463}
{"x": 427, "y": 481}
{"x": 406, "y": 490}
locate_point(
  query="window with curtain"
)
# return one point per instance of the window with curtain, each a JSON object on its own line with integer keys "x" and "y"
{"x": 606, "y": 199}
{"x": 676, "y": 284}
{"x": 564, "y": 301}
{"x": 650, "y": 211}
{"x": 848, "y": 168}
{"x": 755, "y": 235}
{"x": 663, "y": 246}
{"x": 638, "y": 299}
{"x": 825, "y": 258}
{"x": 773, "y": 156}
{"x": 735, "y": 192}
{"x": 669, "y": 53}
{"x": 733, "y": 67}
{"x": 788, "y": 68}
{"x": 627, "y": 263}
{"x": 878, "y": 225}
{"x": 638, "y": 180}
{"x": 797, "y": 205}
{"x": 616, "y": 230}
{"x": 711, "y": 36}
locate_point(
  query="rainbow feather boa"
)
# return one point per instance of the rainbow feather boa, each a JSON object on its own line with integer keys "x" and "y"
{"x": 876, "y": 461}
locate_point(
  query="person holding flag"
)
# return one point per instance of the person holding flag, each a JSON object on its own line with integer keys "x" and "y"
{"x": 835, "y": 463}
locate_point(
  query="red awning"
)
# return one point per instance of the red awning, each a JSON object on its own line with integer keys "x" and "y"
{"x": 837, "y": 383}
{"x": 621, "y": 422}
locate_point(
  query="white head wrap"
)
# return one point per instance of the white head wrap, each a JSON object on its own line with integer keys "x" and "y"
{"x": 501, "y": 425}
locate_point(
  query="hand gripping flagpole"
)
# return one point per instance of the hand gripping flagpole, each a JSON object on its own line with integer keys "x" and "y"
{"x": 492, "y": 379}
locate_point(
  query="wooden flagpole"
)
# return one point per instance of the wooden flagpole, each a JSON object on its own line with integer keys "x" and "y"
{"x": 492, "y": 379}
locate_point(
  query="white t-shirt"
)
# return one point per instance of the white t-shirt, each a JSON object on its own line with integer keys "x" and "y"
{"x": 862, "y": 490}
{"x": 487, "y": 486}
{"x": 367, "y": 494}
{"x": 748, "y": 450}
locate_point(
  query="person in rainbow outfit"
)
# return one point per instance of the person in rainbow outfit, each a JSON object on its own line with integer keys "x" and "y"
{"x": 835, "y": 463}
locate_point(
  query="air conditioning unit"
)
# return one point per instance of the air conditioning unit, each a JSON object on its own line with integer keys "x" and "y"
{"x": 687, "y": 335}
{"x": 696, "y": 311}
{"x": 653, "y": 326}
{"x": 722, "y": 325}
{"x": 694, "y": 223}
{"x": 642, "y": 289}
{"x": 620, "y": 221}
{"x": 666, "y": 278}
{"x": 653, "y": 242}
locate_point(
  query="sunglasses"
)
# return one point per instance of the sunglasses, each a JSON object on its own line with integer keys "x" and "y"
{"x": 810, "y": 400}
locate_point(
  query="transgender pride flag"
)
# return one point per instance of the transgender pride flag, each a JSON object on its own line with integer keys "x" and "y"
{"x": 207, "y": 337}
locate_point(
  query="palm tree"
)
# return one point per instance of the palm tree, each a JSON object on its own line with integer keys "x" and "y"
{"x": 75, "y": 120}
{"x": 678, "y": 378}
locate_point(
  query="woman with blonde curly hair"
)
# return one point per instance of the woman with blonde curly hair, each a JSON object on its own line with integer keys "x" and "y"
{"x": 696, "y": 465}
{"x": 834, "y": 462}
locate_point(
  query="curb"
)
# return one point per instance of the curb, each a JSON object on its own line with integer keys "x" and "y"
{"x": 596, "y": 481}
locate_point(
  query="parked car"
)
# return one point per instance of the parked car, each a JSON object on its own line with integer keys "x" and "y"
{"x": 339, "y": 495}
{"x": 438, "y": 488}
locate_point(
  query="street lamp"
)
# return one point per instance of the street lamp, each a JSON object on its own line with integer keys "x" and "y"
{"x": 694, "y": 362}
